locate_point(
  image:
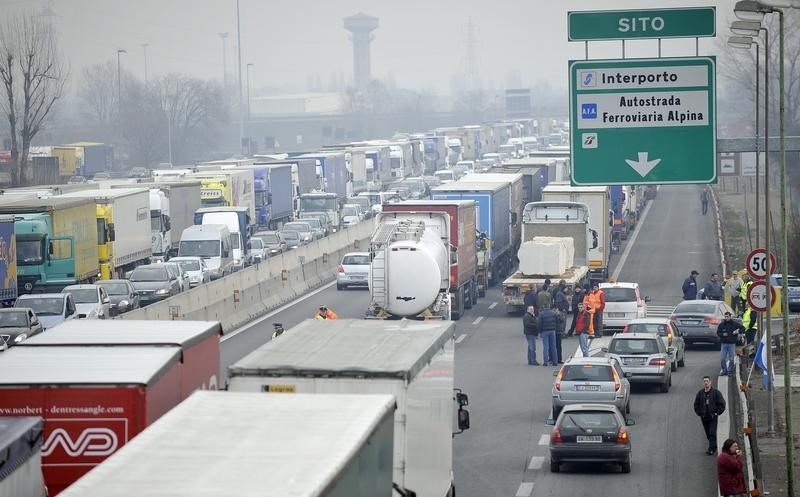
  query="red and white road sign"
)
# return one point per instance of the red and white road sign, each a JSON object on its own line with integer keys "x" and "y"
{"x": 757, "y": 296}
{"x": 757, "y": 264}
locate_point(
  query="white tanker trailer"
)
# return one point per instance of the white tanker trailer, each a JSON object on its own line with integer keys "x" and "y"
{"x": 410, "y": 270}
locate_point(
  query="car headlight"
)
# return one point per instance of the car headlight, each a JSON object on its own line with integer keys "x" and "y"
{"x": 123, "y": 304}
{"x": 163, "y": 291}
{"x": 20, "y": 338}
{"x": 273, "y": 251}
{"x": 307, "y": 238}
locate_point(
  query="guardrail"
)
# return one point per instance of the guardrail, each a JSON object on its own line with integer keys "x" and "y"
{"x": 245, "y": 295}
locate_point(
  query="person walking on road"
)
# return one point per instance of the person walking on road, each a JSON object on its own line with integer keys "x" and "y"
{"x": 730, "y": 470}
{"x": 690, "y": 286}
{"x": 728, "y": 332}
{"x": 733, "y": 286}
{"x": 713, "y": 289}
{"x": 577, "y": 306}
{"x": 709, "y": 404}
{"x": 591, "y": 302}
{"x": 548, "y": 323}
{"x": 704, "y": 201}
{"x": 530, "y": 326}
{"x": 581, "y": 323}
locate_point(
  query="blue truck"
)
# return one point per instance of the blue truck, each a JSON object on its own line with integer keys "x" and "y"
{"x": 332, "y": 169}
{"x": 273, "y": 194}
{"x": 8, "y": 260}
{"x": 495, "y": 223}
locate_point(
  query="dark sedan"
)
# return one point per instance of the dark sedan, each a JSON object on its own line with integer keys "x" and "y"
{"x": 122, "y": 294}
{"x": 697, "y": 320}
{"x": 153, "y": 282}
{"x": 17, "y": 325}
{"x": 590, "y": 433}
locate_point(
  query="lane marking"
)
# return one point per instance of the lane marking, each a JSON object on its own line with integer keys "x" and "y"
{"x": 525, "y": 489}
{"x": 544, "y": 439}
{"x": 492, "y": 305}
{"x": 631, "y": 241}
{"x": 536, "y": 462}
{"x": 477, "y": 321}
{"x": 276, "y": 311}
{"x": 461, "y": 338}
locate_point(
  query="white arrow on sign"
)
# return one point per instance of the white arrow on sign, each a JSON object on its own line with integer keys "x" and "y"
{"x": 644, "y": 166}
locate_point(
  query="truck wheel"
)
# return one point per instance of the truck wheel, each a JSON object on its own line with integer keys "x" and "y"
{"x": 468, "y": 296}
{"x": 474, "y": 293}
{"x": 457, "y": 310}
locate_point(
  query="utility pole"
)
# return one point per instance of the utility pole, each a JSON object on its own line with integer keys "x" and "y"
{"x": 224, "y": 36}
{"x": 239, "y": 55}
{"x": 144, "y": 48}
{"x": 119, "y": 81}
{"x": 249, "y": 147}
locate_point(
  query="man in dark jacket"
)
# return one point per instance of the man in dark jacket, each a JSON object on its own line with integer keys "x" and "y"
{"x": 728, "y": 332}
{"x": 709, "y": 404}
{"x": 530, "y": 297}
{"x": 548, "y": 324}
{"x": 577, "y": 298}
{"x": 690, "y": 286}
{"x": 530, "y": 327}
{"x": 544, "y": 299}
{"x": 713, "y": 289}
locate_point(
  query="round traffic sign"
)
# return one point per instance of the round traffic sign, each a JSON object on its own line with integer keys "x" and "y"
{"x": 757, "y": 296}
{"x": 757, "y": 264}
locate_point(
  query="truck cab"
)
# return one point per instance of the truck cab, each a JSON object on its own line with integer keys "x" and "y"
{"x": 328, "y": 203}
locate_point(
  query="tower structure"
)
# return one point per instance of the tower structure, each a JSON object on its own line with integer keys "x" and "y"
{"x": 361, "y": 27}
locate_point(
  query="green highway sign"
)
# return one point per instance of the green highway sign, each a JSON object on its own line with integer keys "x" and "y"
{"x": 643, "y": 121}
{"x": 689, "y": 22}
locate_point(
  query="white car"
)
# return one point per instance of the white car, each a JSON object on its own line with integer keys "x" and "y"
{"x": 258, "y": 251}
{"x": 195, "y": 267}
{"x": 91, "y": 301}
{"x": 623, "y": 304}
{"x": 351, "y": 215}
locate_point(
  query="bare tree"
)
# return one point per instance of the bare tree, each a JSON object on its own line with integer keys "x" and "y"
{"x": 33, "y": 77}
{"x": 145, "y": 124}
{"x": 98, "y": 99}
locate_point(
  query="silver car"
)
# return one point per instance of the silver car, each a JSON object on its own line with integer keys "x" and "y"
{"x": 698, "y": 320}
{"x": 353, "y": 270}
{"x": 670, "y": 335}
{"x": 304, "y": 229}
{"x": 91, "y": 301}
{"x": 596, "y": 380}
{"x": 643, "y": 357}
{"x": 195, "y": 267}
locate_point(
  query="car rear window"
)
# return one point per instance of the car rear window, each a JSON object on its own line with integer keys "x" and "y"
{"x": 356, "y": 260}
{"x": 596, "y": 420}
{"x": 695, "y": 308}
{"x": 587, "y": 372}
{"x": 634, "y": 346}
{"x": 659, "y": 328}
{"x": 620, "y": 294}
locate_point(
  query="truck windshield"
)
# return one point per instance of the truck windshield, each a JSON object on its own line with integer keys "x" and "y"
{"x": 213, "y": 202}
{"x": 317, "y": 204}
{"x": 155, "y": 221}
{"x": 29, "y": 251}
{"x": 200, "y": 248}
{"x": 102, "y": 239}
{"x": 43, "y": 306}
{"x": 261, "y": 197}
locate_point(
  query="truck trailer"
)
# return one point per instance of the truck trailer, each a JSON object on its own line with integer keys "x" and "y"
{"x": 21, "y": 465}
{"x": 8, "y": 261}
{"x": 412, "y": 360}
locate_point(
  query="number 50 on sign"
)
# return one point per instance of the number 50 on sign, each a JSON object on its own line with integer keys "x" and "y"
{"x": 757, "y": 264}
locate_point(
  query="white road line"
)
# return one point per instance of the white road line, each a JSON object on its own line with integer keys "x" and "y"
{"x": 492, "y": 305}
{"x": 544, "y": 439}
{"x": 477, "y": 321}
{"x": 276, "y": 311}
{"x": 525, "y": 489}
{"x": 461, "y": 338}
{"x": 536, "y": 462}
{"x": 631, "y": 241}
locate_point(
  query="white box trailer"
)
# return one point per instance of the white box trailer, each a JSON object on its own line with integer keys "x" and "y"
{"x": 255, "y": 445}
{"x": 21, "y": 459}
{"x": 412, "y": 360}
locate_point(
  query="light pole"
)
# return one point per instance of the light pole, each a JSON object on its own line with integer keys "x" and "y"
{"x": 144, "y": 48}
{"x": 249, "y": 148}
{"x": 239, "y": 56}
{"x": 120, "y": 51}
{"x": 224, "y": 36}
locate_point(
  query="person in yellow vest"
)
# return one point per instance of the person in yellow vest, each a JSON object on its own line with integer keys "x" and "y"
{"x": 325, "y": 313}
{"x": 746, "y": 282}
{"x": 750, "y": 323}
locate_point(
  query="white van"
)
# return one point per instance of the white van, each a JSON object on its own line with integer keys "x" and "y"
{"x": 445, "y": 176}
{"x": 623, "y": 304}
{"x": 212, "y": 242}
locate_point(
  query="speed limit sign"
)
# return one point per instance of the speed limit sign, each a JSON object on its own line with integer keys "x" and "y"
{"x": 757, "y": 296}
{"x": 757, "y": 264}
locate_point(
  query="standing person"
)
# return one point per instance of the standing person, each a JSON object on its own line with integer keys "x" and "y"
{"x": 548, "y": 322}
{"x": 750, "y": 323}
{"x": 733, "y": 286}
{"x": 730, "y": 473}
{"x": 598, "y": 315}
{"x": 709, "y": 404}
{"x": 543, "y": 298}
{"x": 713, "y": 288}
{"x": 747, "y": 282}
{"x": 530, "y": 297}
{"x": 581, "y": 323}
{"x": 704, "y": 201}
{"x": 591, "y": 302}
{"x": 325, "y": 313}
{"x": 530, "y": 327}
{"x": 690, "y": 286}
{"x": 577, "y": 306}
{"x": 728, "y": 331}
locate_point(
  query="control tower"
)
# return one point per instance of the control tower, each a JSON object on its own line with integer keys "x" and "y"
{"x": 361, "y": 27}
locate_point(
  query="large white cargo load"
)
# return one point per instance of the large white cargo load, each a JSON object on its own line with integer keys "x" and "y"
{"x": 547, "y": 255}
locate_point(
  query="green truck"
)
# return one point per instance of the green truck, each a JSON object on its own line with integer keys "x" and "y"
{"x": 56, "y": 242}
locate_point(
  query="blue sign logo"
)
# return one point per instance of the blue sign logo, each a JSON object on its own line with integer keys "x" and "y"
{"x": 589, "y": 111}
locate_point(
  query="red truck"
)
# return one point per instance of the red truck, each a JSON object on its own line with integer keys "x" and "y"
{"x": 96, "y": 391}
{"x": 463, "y": 271}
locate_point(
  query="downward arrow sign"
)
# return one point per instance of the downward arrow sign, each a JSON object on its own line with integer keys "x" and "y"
{"x": 644, "y": 166}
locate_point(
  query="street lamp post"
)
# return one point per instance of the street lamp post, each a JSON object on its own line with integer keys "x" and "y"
{"x": 249, "y": 147}
{"x": 144, "y": 48}
{"x": 224, "y": 36}
{"x": 119, "y": 81}
{"x": 239, "y": 56}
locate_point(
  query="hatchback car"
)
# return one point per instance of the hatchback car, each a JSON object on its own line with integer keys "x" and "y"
{"x": 590, "y": 433}
{"x": 697, "y": 320}
{"x": 153, "y": 282}
{"x": 257, "y": 249}
{"x": 292, "y": 239}
{"x": 351, "y": 215}
{"x": 353, "y": 270}
{"x": 644, "y": 358}
{"x": 122, "y": 294}
{"x": 623, "y": 303}
{"x": 17, "y": 325}
{"x": 273, "y": 243}
{"x": 177, "y": 270}
{"x": 195, "y": 268}
{"x": 305, "y": 230}
{"x": 670, "y": 336}
{"x": 591, "y": 379}
{"x": 91, "y": 301}
{"x": 316, "y": 225}
{"x": 51, "y": 308}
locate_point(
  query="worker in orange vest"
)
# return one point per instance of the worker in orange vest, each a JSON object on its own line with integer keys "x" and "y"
{"x": 592, "y": 303}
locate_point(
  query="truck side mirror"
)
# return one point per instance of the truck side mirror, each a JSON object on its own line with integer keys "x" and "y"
{"x": 594, "y": 239}
{"x": 513, "y": 218}
{"x": 167, "y": 225}
{"x": 112, "y": 234}
{"x": 463, "y": 419}
{"x": 50, "y": 247}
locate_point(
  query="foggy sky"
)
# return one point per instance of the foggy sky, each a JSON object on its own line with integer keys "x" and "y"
{"x": 421, "y": 43}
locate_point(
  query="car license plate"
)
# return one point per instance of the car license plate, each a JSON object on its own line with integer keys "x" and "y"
{"x": 690, "y": 321}
{"x": 616, "y": 314}
{"x": 592, "y": 439}
{"x": 587, "y": 388}
{"x": 633, "y": 360}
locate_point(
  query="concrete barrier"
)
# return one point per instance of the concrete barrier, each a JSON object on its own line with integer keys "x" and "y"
{"x": 248, "y": 294}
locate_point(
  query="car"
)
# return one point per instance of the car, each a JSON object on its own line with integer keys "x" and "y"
{"x": 319, "y": 230}
{"x": 139, "y": 172}
{"x": 460, "y": 170}
{"x": 590, "y": 433}
{"x": 177, "y": 270}
{"x": 793, "y": 284}
{"x": 17, "y": 325}
{"x": 467, "y": 165}
{"x": 51, "y": 308}
{"x": 351, "y": 215}
{"x": 363, "y": 202}
{"x": 644, "y": 358}
{"x": 195, "y": 267}
{"x": 697, "y": 320}
{"x": 74, "y": 180}
{"x": 591, "y": 379}
{"x": 91, "y": 301}
{"x": 154, "y": 282}
{"x": 273, "y": 243}
{"x": 324, "y": 220}
{"x": 305, "y": 230}
{"x": 353, "y": 270}
{"x": 257, "y": 249}
{"x": 101, "y": 176}
{"x": 292, "y": 239}
{"x": 670, "y": 336}
{"x": 445, "y": 176}
{"x": 122, "y": 294}
{"x": 623, "y": 303}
